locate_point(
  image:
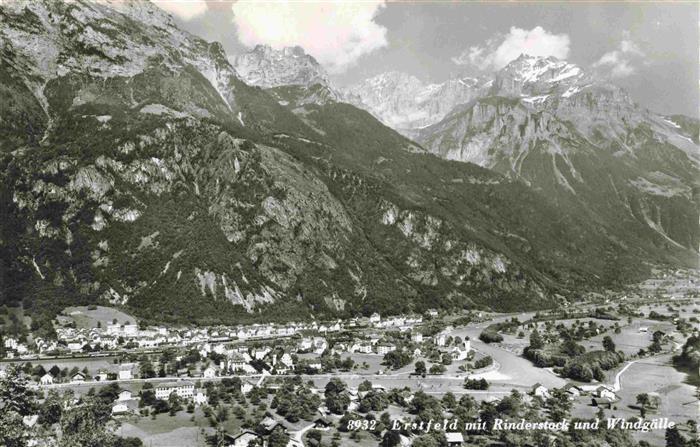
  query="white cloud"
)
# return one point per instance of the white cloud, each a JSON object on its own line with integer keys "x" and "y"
{"x": 335, "y": 32}
{"x": 622, "y": 61}
{"x": 184, "y": 9}
{"x": 498, "y": 51}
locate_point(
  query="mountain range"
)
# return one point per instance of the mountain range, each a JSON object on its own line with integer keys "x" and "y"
{"x": 142, "y": 166}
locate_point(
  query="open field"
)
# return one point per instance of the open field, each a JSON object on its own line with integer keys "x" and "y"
{"x": 169, "y": 431}
{"x": 88, "y": 318}
{"x": 630, "y": 340}
{"x": 656, "y": 374}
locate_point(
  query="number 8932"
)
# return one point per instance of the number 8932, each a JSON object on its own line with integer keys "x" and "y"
{"x": 361, "y": 424}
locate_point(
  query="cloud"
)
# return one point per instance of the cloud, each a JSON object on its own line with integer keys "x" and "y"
{"x": 184, "y": 9}
{"x": 498, "y": 51}
{"x": 336, "y": 33}
{"x": 622, "y": 61}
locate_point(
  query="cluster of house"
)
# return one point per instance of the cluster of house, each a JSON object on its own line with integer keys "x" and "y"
{"x": 459, "y": 351}
{"x": 125, "y": 372}
{"x": 601, "y": 395}
{"x": 115, "y": 334}
{"x": 15, "y": 347}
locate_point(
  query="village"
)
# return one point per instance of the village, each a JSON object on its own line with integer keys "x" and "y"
{"x": 345, "y": 382}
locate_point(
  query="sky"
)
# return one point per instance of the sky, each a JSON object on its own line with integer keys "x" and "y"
{"x": 650, "y": 49}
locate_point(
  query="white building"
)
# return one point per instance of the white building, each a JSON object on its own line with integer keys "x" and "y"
{"x": 383, "y": 349}
{"x": 287, "y": 361}
{"x": 200, "y": 397}
{"x": 78, "y": 378}
{"x": 245, "y": 438}
{"x": 540, "y": 390}
{"x": 605, "y": 393}
{"x": 417, "y": 337}
{"x": 306, "y": 344}
{"x": 75, "y": 345}
{"x": 183, "y": 389}
{"x": 573, "y": 390}
{"x": 441, "y": 339}
{"x": 454, "y": 439}
{"x": 247, "y": 386}
{"x": 11, "y": 343}
{"x": 46, "y": 379}
{"x": 209, "y": 373}
{"x": 120, "y": 408}
{"x": 240, "y": 364}
{"x": 461, "y": 352}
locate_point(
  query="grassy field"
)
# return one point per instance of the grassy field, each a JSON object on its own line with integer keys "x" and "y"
{"x": 168, "y": 431}
{"x": 88, "y": 318}
{"x": 655, "y": 374}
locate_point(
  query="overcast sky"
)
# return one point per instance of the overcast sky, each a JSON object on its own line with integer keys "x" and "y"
{"x": 651, "y": 50}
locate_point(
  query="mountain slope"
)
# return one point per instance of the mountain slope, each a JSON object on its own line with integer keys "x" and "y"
{"x": 141, "y": 170}
{"x": 583, "y": 142}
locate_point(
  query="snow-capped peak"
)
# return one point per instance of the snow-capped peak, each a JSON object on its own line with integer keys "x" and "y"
{"x": 530, "y": 69}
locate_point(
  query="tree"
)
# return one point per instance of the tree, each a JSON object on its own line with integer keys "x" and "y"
{"x": 674, "y": 438}
{"x": 397, "y": 359}
{"x": 15, "y": 394}
{"x": 52, "y": 408}
{"x": 146, "y": 368}
{"x": 12, "y": 430}
{"x": 437, "y": 369}
{"x": 643, "y": 401}
{"x": 425, "y": 441}
{"x": 490, "y": 336}
{"x": 86, "y": 424}
{"x": 218, "y": 418}
{"x": 315, "y": 435}
{"x": 337, "y": 399}
{"x": 365, "y": 386}
{"x": 391, "y": 438}
{"x": 278, "y": 438}
{"x": 420, "y": 368}
{"x": 446, "y": 359}
{"x": 608, "y": 344}
{"x": 558, "y": 405}
{"x": 536, "y": 341}
{"x": 449, "y": 400}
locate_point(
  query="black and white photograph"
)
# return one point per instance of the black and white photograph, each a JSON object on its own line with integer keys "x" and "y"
{"x": 349, "y": 223}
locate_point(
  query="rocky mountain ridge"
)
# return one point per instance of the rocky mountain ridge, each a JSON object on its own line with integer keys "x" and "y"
{"x": 404, "y": 103}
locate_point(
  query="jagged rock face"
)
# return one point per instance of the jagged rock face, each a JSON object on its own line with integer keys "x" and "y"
{"x": 267, "y": 67}
{"x": 291, "y": 76}
{"x": 48, "y": 40}
{"x": 531, "y": 76}
{"x": 403, "y": 102}
{"x": 126, "y": 179}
